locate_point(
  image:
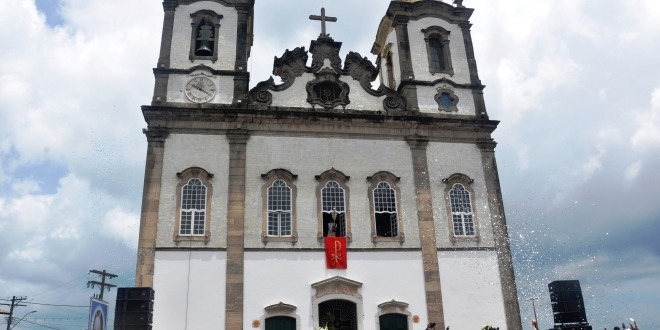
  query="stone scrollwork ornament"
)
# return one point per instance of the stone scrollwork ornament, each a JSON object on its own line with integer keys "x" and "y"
{"x": 327, "y": 90}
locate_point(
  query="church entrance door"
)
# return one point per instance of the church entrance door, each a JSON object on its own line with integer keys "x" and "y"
{"x": 393, "y": 322}
{"x": 338, "y": 315}
{"x": 280, "y": 323}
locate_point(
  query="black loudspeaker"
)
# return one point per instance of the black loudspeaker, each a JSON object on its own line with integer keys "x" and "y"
{"x": 140, "y": 327}
{"x": 135, "y": 294}
{"x": 567, "y": 303}
{"x": 133, "y": 318}
{"x": 134, "y": 309}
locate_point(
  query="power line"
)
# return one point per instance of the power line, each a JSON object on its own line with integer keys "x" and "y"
{"x": 41, "y": 325}
{"x": 61, "y": 285}
{"x": 44, "y": 304}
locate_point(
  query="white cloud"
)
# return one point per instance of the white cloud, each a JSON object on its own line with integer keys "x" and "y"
{"x": 26, "y": 186}
{"x": 648, "y": 132}
{"x": 122, "y": 225}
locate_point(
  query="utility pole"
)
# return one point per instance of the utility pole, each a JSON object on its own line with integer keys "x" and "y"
{"x": 536, "y": 320}
{"x": 15, "y": 302}
{"x": 102, "y": 284}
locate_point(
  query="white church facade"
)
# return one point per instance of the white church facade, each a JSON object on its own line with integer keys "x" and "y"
{"x": 242, "y": 186}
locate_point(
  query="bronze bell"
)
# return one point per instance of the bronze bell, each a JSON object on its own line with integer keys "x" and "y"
{"x": 203, "y": 49}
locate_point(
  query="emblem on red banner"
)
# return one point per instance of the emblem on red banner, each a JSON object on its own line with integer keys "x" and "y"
{"x": 335, "y": 253}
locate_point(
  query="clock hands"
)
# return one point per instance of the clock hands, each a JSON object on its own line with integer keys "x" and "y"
{"x": 201, "y": 90}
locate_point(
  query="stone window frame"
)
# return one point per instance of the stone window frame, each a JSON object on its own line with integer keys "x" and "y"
{"x": 279, "y": 309}
{"x": 184, "y": 177}
{"x": 394, "y": 307}
{"x": 341, "y": 179}
{"x": 467, "y": 184}
{"x": 452, "y": 94}
{"x": 198, "y": 17}
{"x": 338, "y": 288}
{"x": 289, "y": 178}
{"x": 392, "y": 180}
{"x": 442, "y": 35}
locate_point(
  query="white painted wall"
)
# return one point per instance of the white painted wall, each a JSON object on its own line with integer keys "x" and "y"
{"x": 427, "y": 103}
{"x": 182, "y": 151}
{"x": 190, "y": 290}
{"x": 176, "y": 87}
{"x": 271, "y": 277}
{"x": 308, "y": 157}
{"x": 180, "y": 52}
{"x": 471, "y": 290}
{"x": 418, "y": 51}
{"x": 445, "y": 159}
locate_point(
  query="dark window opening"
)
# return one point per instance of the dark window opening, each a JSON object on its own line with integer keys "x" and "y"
{"x": 340, "y": 224}
{"x": 437, "y": 55}
{"x": 205, "y": 39}
{"x": 327, "y": 92}
{"x": 386, "y": 225}
{"x": 393, "y": 322}
{"x": 338, "y": 315}
{"x": 280, "y": 323}
{"x": 446, "y": 100}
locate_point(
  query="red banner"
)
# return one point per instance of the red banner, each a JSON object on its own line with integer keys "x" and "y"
{"x": 335, "y": 253}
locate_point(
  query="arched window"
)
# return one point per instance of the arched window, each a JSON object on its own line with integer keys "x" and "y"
{"x": 461, "y": 211}
{"x": 193, "y": 208}
{"x": 193, "y": 205}
{"x": 204, "y": 38}
{"x": 333, "y": 209}
{"x": 385, "y": 211}
{"x": 437, "y": 61}
{"x": 279, "y": 209}
{"x": 437, "y": 47}
{"x": 460, "y": 208}
{"x": 384, "y": 197}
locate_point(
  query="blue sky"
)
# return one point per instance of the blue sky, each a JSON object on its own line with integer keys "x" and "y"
{"x": 575, "y": 83}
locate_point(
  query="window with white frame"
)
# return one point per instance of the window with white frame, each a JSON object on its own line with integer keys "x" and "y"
{"x": 193, "y": 208}
{"x": 279, "y": 209}
{"x": 461, "y": 211}
{"x": 333, "y": 208}
{"x": 385, "y": 210}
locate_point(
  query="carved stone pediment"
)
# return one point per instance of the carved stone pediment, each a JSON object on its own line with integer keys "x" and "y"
{"x": 327, "y": 90}
{"x": 291, "y": 65}
{"x": 280, "y": 309}
{"x": 337, "y": 285}
{"x": 393, "y": 307}
{"x": 322, "y": 48}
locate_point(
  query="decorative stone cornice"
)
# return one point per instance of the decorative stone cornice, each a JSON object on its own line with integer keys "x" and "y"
{"x": 170, "y": 5}
{"x": 157, "y": 135}
{"x": 238, "y": 136}
{"x": 417, "y": 142}
{"x": 486, "y": 144}
{"x": 195, "y": 172}
{"x": 393, "y": 307}
{"x": 337, "y": 285}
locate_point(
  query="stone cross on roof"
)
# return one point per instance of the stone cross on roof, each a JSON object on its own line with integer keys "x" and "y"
{"x": 323, "y": 19}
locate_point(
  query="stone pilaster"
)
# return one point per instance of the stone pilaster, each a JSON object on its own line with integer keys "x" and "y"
{"x": 242, "y": 80}
{"x": 160, "y": 88}
{"x": 427, "y": 231}
{"x": 409, "y": 91}
{"x": 501, "y": 235}
{"x": 477, "y": 87}
{"x": 153, "y": 172}
{"x": 235, "y": 229}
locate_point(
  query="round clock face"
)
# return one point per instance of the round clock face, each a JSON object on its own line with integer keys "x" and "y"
{"x": 200, "y": 90}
